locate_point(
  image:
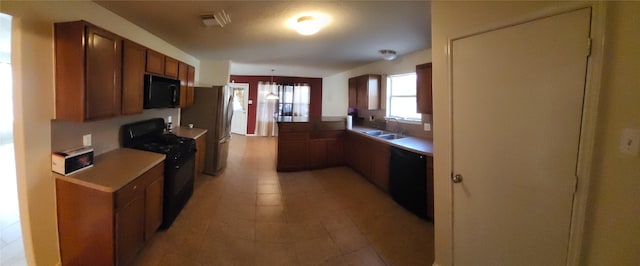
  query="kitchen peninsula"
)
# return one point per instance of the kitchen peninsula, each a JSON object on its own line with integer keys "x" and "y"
{"x": 305, "y": 143}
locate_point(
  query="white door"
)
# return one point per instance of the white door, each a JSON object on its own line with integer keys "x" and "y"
{"x": 240, "y": 106}
{"x": 516, "y": 110}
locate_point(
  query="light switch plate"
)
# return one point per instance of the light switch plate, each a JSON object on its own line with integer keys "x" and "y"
{"x": 86, "y": 140}
{"x": 630, "y": 141}
{"x": 427, "y": 126}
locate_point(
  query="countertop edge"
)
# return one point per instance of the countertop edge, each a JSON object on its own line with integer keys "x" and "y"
{"x": 428, "y": 151}
{"x": 186, "y": 132}
{"x": 325, "y": 119}
{"x": 109, "y": 189}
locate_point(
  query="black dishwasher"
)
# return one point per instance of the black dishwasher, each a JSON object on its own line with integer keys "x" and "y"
{"x": 408, "y": 180}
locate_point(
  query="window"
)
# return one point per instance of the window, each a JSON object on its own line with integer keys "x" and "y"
{"x": 401, "y": 97}
{"x": 294, "y": 100}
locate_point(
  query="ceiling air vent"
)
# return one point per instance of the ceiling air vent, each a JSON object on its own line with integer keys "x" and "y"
{"x": 217, "y": 19}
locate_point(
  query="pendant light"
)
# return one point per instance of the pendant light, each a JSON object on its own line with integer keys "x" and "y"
{"x": 271, "y": 95}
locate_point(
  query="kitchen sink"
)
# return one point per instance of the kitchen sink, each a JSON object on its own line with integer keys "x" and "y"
{"x": 374, "y": 132}
{"x": 390, "y": 136}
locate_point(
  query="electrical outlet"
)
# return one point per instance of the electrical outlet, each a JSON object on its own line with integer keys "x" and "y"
{"x": 86, "y": 140}
{"x": 427, "y": 126}
{"x": 630, "y": 141}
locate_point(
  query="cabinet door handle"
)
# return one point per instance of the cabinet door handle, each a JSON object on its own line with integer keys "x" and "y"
{"x": 175, "y": 94}
{"x": 135, "y": 187}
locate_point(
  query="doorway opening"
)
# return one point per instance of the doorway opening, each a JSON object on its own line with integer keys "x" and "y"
{"x": 11, "y": 246}
{"x": 240, "y": 107}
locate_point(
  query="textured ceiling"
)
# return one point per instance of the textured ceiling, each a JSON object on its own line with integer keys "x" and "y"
{"x": 258, "y": 38}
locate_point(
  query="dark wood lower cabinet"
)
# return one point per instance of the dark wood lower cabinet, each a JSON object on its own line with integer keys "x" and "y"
{"x": 303, "y": 150}
{"x": 380, "y": 165}
{"x": 317, "y": 153}
{"x": 85, "y": 218}
{"x": 108, "y": 228}
{"x": 153, "y": 207}
{"x": 358, "y": 154}
{"x": 370, "y": 158}
{"x": 326, "y": 149}
{"x": 303, "y": 146}
{"x": 201, "y": 147}
{"x": 293, "y": 151}
{"x": 130, "y": 227}
{"x": 335, "y": 151}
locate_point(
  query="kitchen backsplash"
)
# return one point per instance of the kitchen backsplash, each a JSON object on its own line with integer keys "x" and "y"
{"x": 414, "y": 130}
{"x": 105, "y": 134}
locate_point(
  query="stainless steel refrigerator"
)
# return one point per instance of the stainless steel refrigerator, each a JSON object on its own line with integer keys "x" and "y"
{"x": 212, "y": 110}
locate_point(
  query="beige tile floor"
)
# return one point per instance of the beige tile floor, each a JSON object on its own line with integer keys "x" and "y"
{"x": 253, "y": 215}
{"x": 11, "y": 248}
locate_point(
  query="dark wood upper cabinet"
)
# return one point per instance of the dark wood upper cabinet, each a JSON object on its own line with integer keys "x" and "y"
{"x": 353, "y": 93}
{"x": 171, "y": 67}
{"x": 133, "y": 64}
{"x": 191, "y": 75}
{"x": 364, "y": 92}
{"x": 423, "y": 89}
{"x": 88, "y": 72}
{"x": 183, "y": 72}
{"x": 186, "y": 74}
{"x": 155, "y": 62}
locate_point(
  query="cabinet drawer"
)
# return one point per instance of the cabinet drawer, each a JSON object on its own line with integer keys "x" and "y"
{"x": 137, "y": 186}
{"x": 334, "y": 125}
{"x": 333, "y": 134}
{"x": 293, "y": 136}
{"x": 294, "y": 127}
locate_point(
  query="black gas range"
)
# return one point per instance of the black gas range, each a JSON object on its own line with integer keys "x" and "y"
{"x": 179, "y": 165}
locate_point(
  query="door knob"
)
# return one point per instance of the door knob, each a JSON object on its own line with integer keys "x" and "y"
{"x": 456, "y": 178}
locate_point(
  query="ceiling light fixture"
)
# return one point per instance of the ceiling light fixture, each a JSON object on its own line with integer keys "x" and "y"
{"x": 388, "y": 54}
{"x": 308, "y": 25}
{"x": 218, "y": 19}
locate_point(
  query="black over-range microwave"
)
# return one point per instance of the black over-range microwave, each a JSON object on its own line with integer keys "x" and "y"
{"x": 161, "y": 92}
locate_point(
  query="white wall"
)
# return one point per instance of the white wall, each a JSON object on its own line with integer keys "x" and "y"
{"x": 613, "y": 224}
{"x": 213, "y": 73}
{"x": 335, "y": 87}
{"x": 33, "y": 65}
{"x": 613, "y": 214}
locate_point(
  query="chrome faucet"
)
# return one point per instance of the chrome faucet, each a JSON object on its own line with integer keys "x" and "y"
{"x": 398, "y": 129}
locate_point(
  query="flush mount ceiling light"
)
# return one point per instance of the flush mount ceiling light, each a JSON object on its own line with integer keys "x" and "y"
{"x": 388, "y": 54}
{"x": 218, "y": 19}
{"x": 308, "y": 23}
